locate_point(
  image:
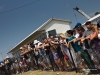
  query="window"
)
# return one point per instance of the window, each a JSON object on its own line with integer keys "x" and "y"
{"x": 41, "y": 36}
{"x": 52, "y": 32}
{"x": 17, "y": 54}
{"x": 39, "y": 39}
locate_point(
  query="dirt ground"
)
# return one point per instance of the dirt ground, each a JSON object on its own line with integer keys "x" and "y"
{"x": 38, "y": 72}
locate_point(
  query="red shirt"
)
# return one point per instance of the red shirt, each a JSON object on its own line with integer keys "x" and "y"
{"x": 24, "y": 62}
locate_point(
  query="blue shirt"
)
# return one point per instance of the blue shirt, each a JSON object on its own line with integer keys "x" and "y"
{"x": 75, "y": 46}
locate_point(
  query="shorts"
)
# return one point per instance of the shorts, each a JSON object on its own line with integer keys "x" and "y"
{"x": 60, "y": 54}
{"x": 55, "y": 55}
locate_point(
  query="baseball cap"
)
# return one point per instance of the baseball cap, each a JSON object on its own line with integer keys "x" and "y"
{"x": 78, "y": 24}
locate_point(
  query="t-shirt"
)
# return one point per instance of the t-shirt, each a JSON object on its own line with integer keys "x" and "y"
{"x": 97, "y": 44}
{"x": 47, "y": 49}
{"x": 25, "y": 56}
{"x": 76, "y": 35}
{"x": 29, "y": 48}
{"x": 87, "y": 32}
{"x": 36, "y": 51}
{"x": 88, "y": 44}
{"x": 24, "y": 62}
{"x": 20, "y": 63}
{"x": 75, "y": 46}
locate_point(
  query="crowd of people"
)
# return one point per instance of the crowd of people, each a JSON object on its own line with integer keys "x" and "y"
{"x": 77, "y": 50}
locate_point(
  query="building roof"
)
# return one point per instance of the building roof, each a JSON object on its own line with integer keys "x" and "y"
{"x": 95, "y": 18}
{"x": 37, "y": 31}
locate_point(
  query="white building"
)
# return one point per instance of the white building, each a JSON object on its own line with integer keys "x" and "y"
{"x": 52, "y": 26}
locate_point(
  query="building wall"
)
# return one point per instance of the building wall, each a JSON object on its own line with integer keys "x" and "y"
{"x": 17, "y": 54}
{"x": 39, "y": 38}
{"x": 54, "y": 26}
{"x": 60, "y": 26}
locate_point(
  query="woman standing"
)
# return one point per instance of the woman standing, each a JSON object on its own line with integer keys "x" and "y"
{"x": 64, "y": 49}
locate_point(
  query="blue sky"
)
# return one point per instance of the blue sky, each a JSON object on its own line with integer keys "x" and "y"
{"x": 17, "y": 24}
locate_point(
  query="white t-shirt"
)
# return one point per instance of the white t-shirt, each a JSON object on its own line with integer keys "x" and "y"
{"x": 36, "y": 52}
{"x": 29, "y": 48}
{"x": 20, "y": 63}
{"x": 77, "y": 35}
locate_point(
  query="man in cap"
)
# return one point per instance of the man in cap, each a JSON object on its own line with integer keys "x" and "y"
{"x": 75, "y": 31}
{"x": 78, "y": 24}
{"x": 88, "y": 44}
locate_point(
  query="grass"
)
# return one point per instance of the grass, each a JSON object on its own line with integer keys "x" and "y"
{"x": 38, "y": 72}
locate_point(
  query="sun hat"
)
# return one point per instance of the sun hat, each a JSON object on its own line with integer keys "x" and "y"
{"x": 62, "y": 35}
{"x": 21, "y": 47}
{"x": 36, "y": 41}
